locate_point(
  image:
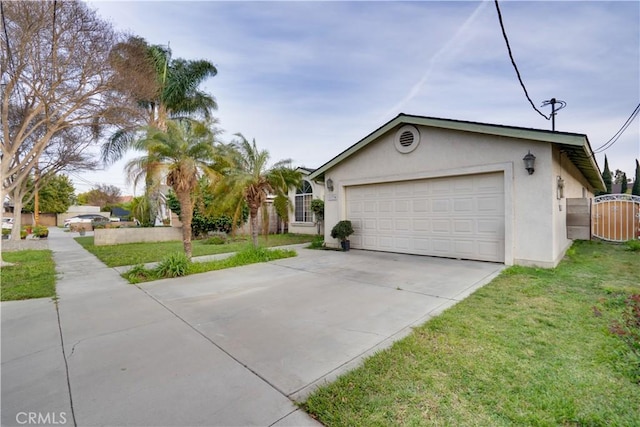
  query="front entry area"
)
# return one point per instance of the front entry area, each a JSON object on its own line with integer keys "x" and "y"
{"x": 456, "y": 217}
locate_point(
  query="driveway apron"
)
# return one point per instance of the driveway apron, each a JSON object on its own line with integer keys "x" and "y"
{"x": 232, "y": 347}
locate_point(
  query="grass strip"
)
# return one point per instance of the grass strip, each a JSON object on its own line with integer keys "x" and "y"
{"x": 174, "y": 264}
{"x": 533, "y": 347}
{"x": 142, "y": 253}
{"x": 33, "y": 275}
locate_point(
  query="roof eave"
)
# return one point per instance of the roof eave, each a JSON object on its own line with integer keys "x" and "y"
{"x": 571, "y": 142}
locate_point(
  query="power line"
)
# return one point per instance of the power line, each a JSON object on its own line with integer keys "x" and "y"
{"x": 619, "y": 133}
{"x": 513, "y": 62}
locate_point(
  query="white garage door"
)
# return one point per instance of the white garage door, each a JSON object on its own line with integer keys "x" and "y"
{"x": 458, "y": 217}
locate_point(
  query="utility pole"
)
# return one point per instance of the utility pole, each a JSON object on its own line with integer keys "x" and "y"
{"x": 553, "y": 103}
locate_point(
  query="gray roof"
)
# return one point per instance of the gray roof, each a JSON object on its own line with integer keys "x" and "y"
{"x": 576, "y": 146}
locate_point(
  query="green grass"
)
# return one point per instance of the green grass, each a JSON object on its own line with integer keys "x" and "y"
{"x": 533, "y": 347}
{"x": 32, "y": 276}
{"x": 171, "y": 264}
{"x": 142, "y": 253}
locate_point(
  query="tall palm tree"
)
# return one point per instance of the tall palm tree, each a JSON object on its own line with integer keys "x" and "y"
{"x": 164, "y": 89}
{"x": 181, "y": 153}
{"x": 251, "y": 176}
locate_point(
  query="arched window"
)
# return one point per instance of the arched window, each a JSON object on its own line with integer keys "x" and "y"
{"x": 304, "y": 194}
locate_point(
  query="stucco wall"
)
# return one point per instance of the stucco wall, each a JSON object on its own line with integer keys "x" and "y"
{"x": 575, "y": 186}
{"x": 306, "y": 227}
{"x": 531, "y": 223}
{"x": 117, "y": 236}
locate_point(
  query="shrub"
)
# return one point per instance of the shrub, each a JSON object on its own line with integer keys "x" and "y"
{"x": 173, "y": 265}
{"x": 40, "y": 231}
{"x": 342, "y": 230}
{"x": 317, "y": 243}
{"x": 633, "y": 245}
{"x": 138, "y": 273}
{"x": 216, "y": 239}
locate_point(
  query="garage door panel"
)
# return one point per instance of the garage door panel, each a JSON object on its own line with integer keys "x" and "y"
{"x": 463, "y": 205}
{"x": 465, "y": 248}
{"x": 385, "y": 206}
{"x": 385, "y": 242}
{"x": 420, "y": 205}
{"x": 490, "y": 204}
{"x": 489, "y": 249}
{"x": 440, "y": 226}
{"x": 442, "y": 246}
{"x": 421, "y": 225}
{"x": 403, "y": 224}
{"x": 370, "y": 225}
{"x": 492, "y": 227}
{"x": 403, "y": 243}
{"x": 461, "y": 217}
{"x": 385, "y": 224}
{"x": 440, "y": 205}
{"x": 463, "y": 226}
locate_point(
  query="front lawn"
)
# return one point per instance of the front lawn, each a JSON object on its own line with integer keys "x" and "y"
{"x": 533, "y": 347}
{"x": 142, "y": 253}
{"x": 33, "y": 275}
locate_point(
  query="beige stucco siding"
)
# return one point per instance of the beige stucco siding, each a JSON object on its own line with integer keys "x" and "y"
{"x": 530, "y": 221}
{"x": 575, "y": 186}
{"x": 305, "y": 227}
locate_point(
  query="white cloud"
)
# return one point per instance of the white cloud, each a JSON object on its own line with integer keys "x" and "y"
{"x": 308, "y": 79}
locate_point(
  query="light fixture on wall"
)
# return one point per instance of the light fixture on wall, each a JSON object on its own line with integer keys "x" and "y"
{"x": 560, "y": 188}
{"x": 529, "y": 162}
{"x": 330, "y": 184}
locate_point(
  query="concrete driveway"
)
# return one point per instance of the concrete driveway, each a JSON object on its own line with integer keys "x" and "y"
{"x": 302, "y": 321}
{"x": 233, "y": 347}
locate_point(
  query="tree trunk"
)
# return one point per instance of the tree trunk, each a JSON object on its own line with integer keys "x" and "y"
{"x": 254, "y": 227}
{"x": 186, "y": 215}
{"x": 17, "y": 213}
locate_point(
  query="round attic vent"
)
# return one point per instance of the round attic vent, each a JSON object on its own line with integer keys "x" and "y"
{"x": 407, "y": 139}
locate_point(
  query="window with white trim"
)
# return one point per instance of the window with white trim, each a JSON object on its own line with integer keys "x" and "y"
{"x": 304, "y": 194}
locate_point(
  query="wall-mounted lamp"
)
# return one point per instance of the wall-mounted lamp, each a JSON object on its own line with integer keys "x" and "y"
{"x": 330, "y": 184}
{"x": 560, "y": 188}
{"x": 529, "y": 162}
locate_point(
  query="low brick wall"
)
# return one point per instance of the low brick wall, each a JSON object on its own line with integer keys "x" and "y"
{"x": 117, "y": 236}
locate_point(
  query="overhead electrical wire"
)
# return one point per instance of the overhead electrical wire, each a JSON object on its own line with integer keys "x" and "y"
{"x": 619, "y": 133}
{"x": 513, "y": 62}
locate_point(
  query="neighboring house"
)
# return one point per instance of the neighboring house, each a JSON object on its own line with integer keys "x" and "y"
{"x": 302, "y": 220}
{"x": 450, "y": 188}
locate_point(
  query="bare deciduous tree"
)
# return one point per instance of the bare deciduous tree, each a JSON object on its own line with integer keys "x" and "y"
{"x": 57, "y": 89}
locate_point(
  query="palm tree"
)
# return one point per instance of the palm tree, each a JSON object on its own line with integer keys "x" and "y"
{"x": 164, "y": 89}
{"x": 251, "y": 177}
{"x": 182, "y": 153}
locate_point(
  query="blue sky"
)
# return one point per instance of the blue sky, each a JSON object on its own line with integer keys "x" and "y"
{"x": 309, "y": 79}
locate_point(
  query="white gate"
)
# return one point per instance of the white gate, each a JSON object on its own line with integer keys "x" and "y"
{"x": 616, "y": 217}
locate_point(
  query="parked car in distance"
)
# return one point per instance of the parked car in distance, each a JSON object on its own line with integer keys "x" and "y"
{"x": 7, "y": 223}
{"x": 86, "y": 218}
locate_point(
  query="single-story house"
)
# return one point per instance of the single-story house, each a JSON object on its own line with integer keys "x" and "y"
{"x": 451, "y": 188}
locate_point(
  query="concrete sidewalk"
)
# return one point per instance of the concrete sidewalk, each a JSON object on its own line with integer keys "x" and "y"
{"x": 131, "y": 361}
{"x": 231, "y": 347}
